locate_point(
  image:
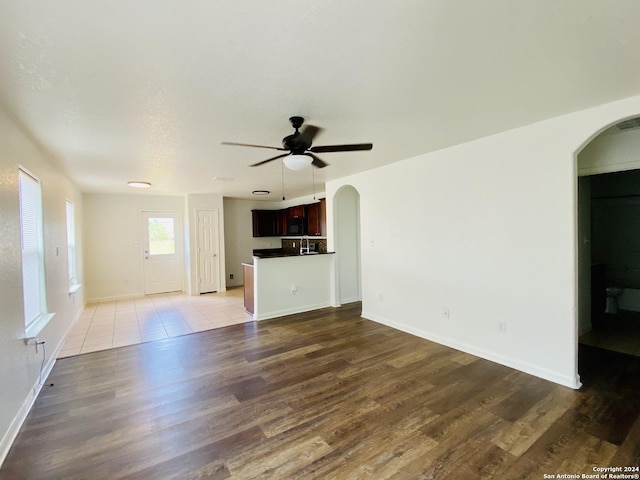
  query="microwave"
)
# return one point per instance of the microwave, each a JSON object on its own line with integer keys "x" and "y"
{"x": 296, "y": 226}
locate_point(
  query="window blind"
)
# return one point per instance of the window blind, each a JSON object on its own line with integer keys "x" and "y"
{"x": 32, "y": 249}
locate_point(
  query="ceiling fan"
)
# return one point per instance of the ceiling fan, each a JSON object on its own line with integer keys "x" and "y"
{"x": 298, "y": 145}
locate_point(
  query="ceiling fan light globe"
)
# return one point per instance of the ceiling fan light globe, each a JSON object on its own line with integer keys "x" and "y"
{"x": 297, "y": 162}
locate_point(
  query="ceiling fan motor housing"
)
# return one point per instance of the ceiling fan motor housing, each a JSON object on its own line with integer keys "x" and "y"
{"x": 297, "y": 147}
{"x": 291, "y": 142}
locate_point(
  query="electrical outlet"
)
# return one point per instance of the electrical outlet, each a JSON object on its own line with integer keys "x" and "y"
{"x": 502, "y": 326}
{"x": 445, "y": 313}
{"x": 231, "y": 276}
{"x": 380, "y": 297}
{"x": 294, "y": 290}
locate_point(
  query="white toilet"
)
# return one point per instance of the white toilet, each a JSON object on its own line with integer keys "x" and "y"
{"x": 612, "y": 299}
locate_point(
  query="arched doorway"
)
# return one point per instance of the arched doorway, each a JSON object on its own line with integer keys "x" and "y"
{"x": 347, "y": 242}
{"x": 608, "y": 209}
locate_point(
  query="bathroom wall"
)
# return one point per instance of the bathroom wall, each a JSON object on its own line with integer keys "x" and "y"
{"x": 615, "y": 206}
{"x": 584, "y": 255}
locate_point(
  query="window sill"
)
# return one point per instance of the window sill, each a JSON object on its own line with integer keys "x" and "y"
{"x": 74, "y": 288}
{"x": 36, "y": 327}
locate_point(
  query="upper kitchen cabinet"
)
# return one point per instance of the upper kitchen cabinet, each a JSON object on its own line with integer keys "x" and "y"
{"x": 296, "y": 212}
{"x": 293, "y": 221}
{"x": 282, "y": 218}
{"x": 317, "y": 218}
{"x": 266, "y": 223}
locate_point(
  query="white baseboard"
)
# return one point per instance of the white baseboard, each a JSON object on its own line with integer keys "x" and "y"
{"x": 68, "y": 331}
{"x": 290, "y": 311}
{"x": 14, "y": 428}
{"x": 21, "y": 416}
{"x": 115, "y": 298}
{"x": 132, "y": 296}
{"x": 525, "y": 367}
{"x": 25, "y": 408}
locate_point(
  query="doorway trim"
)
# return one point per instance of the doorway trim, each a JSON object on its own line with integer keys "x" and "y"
{"x": 216, "y": 234}
{"x": 576, "y": 226}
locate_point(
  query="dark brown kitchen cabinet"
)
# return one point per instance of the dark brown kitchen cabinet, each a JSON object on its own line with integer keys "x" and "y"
{"x": 282, "y": 219}
{"x": 316, "y": 219}
{"x": 308, "y": 219}
{"x": 296, "y": 212}
{"x": 265, "y": 223}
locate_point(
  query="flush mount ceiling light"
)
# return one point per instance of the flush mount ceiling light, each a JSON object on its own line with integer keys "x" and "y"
{"x": 139, "y": 184}
{"x": 261, "y": 192}
{"x": 297, "y": 162}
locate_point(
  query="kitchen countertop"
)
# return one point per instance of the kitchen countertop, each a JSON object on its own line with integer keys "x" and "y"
{"x": 284, "y": 254}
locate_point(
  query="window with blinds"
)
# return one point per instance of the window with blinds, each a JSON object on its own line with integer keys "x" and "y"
{"x": 33, "y": 282}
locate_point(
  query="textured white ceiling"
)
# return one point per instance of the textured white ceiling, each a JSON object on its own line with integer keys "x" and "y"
{"x": 146, "y": 90}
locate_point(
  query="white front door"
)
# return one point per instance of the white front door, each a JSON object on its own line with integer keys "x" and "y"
{"x": 162, "y": 240}
{"x": 208, "y": 259}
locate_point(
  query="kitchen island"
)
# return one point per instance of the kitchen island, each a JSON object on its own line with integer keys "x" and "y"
{"x": 287, "y": 284}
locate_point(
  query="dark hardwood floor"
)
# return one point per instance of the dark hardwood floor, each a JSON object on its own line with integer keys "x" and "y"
{"x": 325, "y": 395}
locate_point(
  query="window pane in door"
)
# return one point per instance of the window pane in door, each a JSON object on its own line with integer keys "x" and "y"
{"x": 161, "y": 236}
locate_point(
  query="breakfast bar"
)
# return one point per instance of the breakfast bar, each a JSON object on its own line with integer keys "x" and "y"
{"x": 278, "y": 285}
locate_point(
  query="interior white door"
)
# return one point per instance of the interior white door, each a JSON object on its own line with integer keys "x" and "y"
{"x": 208, "y": 251}
{"x": 162, "y": 238}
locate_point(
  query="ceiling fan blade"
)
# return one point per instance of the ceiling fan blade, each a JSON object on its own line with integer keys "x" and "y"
{"x": 316, "y": 161}
{"x": 307, "y": 134}
{"x": 341, "y": 148}
{"x": 269, "y": 160}
{"x": 252, "y": 145}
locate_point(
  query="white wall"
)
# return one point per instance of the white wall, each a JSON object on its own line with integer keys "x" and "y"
{"x": 347, "y": 215}
{"x": 19, "y": 364}
{"x": 487, "y": 229}
{"x": 239, "y": 235}
{"x": 114, "y": 243}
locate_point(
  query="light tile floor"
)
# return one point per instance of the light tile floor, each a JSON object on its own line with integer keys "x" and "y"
{"x": 119, "y": 323}
{"x": 620, "y": 333}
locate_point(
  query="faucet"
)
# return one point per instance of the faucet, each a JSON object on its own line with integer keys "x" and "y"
{"x": 304, "y": 249}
